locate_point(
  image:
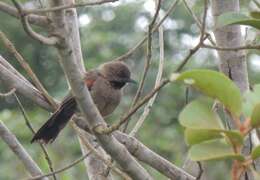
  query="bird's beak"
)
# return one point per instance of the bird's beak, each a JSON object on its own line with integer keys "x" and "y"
{"x": 131, "y": 81}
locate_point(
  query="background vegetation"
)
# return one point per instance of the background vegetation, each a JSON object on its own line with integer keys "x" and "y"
{"x": 107, "y": 32}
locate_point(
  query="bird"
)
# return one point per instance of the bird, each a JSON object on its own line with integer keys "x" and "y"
{"x": 105, "y": 84}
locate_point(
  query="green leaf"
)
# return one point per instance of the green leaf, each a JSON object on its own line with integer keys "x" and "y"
{"x": 255, "y": 152}
{"x": 216, "y": 85}
{"x": 213, "y": 150}
{"x": 255, "y": 117}
{"x": 198, "y": 115}
{"x": 194, "y": 136}
{"x": 234, "y": 137}
{"x": 251, "y": 99}
{"x": 231, "y": 18}
{"x": 255, "y": 14}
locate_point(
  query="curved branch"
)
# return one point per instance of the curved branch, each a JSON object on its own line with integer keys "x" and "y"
{"x": 38, "y": 20}
{"x": 28, "y": 29}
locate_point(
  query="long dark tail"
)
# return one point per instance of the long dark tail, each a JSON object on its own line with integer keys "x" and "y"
{"x": 50, "y": 130}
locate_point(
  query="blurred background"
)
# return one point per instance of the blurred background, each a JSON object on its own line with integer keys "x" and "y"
{"x": 108, "y": 31}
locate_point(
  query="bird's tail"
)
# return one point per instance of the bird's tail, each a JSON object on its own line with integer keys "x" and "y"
{"x": 50, "y": 130}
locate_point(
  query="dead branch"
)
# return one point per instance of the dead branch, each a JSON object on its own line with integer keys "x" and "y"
{"x": 38, "y": 20}
{"x": 19, "y": 151}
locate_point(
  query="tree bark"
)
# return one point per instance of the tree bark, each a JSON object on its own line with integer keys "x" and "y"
{"x": 232, "y": 63}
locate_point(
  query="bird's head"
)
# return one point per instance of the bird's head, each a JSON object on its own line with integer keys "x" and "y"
{"x": 117, "y": 73}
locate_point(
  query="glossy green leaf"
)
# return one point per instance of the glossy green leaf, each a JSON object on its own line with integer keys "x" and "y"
{"x": 198, "y": 115}
{"x": 255, "y": 152}
{"x": 234, "y": 137}
{"x": 231, "y": 18}
{"x": 213, "y": 150}
{"x": 194, "y": 136}
{"x": 255, "y": 14}
{"x": 216, "y": 85}
{"x": 251, "y": 99}
{"x": 255, "y": 116}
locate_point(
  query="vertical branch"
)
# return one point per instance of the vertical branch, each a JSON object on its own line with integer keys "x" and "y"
{"x": 157, "y": 82}
{"x": 19, "y": 151}
{"x": 147, "y": 60}
{"x": 232, "y": 63}
{"x": 148, "y": 54}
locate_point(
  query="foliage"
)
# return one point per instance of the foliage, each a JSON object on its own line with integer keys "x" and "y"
{"x": 205, "y": 133}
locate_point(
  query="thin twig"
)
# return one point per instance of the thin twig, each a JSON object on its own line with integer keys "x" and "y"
{"x": 148, "y": 55}
{"x": 28, "y": 124}
{"x": 9, "y": 138}
{"x": 67, "y": 6}
{"x": 113, "y": 127}
{"x": 203, "y": 26}
{"x": 231, "y": 49}
{"x": 191, "y": 53}
{"x": 42, "y": 21}
{"x": 61, "y": 169}
{"x": 197, "y": 20}
{"x": 256, "y": 3}
{"x": 9, "y": 93}
{"x": 149, "y": 105}
{"x": 102, "y": 130}
{"x": 11, "y": 48}
{"x": 96, "y": 153}
{"x": 28, "y": 29}
{"x": 140, "y": 43}
{"x": 147, "y": 59}
{"x": 200, "y": 171}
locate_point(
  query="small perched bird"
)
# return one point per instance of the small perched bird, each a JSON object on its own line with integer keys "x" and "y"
{"x": 104, "y": 84}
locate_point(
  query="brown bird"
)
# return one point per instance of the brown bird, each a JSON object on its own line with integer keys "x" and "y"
{"x": 104, "y": 84}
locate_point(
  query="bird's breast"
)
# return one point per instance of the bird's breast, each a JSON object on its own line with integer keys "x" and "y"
{"x": 105, "y": 97}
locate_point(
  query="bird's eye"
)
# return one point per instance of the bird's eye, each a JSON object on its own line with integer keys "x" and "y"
{"x": 117, "y": 84}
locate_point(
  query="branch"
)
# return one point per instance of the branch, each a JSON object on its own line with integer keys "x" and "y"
{"x": 197, "y": 20}
{"x": 130, "y": 144}
{"x": 28, "y": 124}
{"x": 19, "y": 151}
{"x": 203, "y": 26}
{"x": 38, "y": 20}
{"x": 26, "y": 67}
{"x": 191, "y": 53}
{"x": 9, "y": 93}
{"x": 149, "y": 105}
{"x": 219, "y": 48}
{"x": 140, "y": 43}
{"x": 148, "y": 55}
{"x": 74, "y": 163}
{"x": 28, "y": 29}
{"x": 68, "y": 59}
{"x": 13, "y": 79}
{"x": 107, "y": 130}
{"x": 144, "y": 154}
{"x": 99, "y": 155}
{"x": 67, "y": 6}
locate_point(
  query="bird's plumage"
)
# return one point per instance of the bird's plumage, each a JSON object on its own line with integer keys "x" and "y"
{"x": 104, "y": 84}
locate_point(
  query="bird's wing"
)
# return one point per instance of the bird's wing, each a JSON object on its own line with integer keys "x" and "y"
{"x": 90, "y": 78}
